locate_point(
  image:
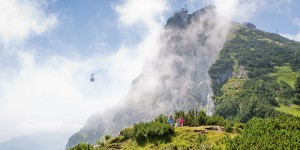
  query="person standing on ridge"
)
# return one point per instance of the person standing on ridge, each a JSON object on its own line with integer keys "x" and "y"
{"x": 171, "y": 120}
{"x": 180, "y": 121}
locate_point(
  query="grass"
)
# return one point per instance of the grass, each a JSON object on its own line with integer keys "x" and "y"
{"x": 234, "y": 83}
{"x": 184, "y": 138}
{"x": 187, "y": 135}
{"x": 286, "y": 74}
{"x": 270, "y": 41}
{"x": 293, "y": 109}
{"x": 282, "y": 73}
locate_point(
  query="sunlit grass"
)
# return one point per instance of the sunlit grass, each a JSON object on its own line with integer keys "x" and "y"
{"x": 270, "y": 41}
{"x": 184, "y": 138}
{"x": 293, "y": 109}
{"x": 286, "y": 74}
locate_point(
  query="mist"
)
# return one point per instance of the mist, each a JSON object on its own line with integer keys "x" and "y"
{"x": 174, "y": 77}
{"x": 156, "y": 69}
{"x": 175, "y": 73}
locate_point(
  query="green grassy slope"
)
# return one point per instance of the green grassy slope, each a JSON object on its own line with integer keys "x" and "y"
{"x": 184, "y": 138}
{"x": 286, "y": 74}
{"x": 200, "y": 132}
{"x": 281, "y": 132}
{"x": 264, "y": 68}
{"x": 290, "y": 109}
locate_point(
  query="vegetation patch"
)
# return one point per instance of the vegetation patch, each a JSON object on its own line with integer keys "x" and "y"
{"x": 290, "y": 109}
{"x": 152, "y": 132}
{"x": 263, "y": 74}
{"x": 286, "y": 74}
{"x": 183, "y": 138}
{"x": 200, "y": 132}
{"x": 281, "y": 132}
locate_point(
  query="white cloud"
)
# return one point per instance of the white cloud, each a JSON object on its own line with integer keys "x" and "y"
{"x": 295, "y": 37}
{"x": 133, "y": 13}
{"x": 243, "y": 10}
{"x": 297, "y": 21}
{"x": 20, "y": 90}
{"x": 19, "y": 18}
{"x": 40, "y": 95}
{"x": 137, "y": 11}
{"x": 54, "y": 93}
{"x": 237, "y": 9}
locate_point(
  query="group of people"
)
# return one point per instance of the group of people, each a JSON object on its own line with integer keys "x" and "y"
{"x": 179, "y": 121}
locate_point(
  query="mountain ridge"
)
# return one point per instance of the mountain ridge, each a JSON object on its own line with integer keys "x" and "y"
{"x": 190, "y": 73}
{"x": 177, "y": 79}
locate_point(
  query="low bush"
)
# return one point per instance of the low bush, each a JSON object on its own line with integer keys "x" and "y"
{"x": 229, "y": 127}
{"x": 201, "y": 138}
{"x": 107, "y": 137}
{"x": 281, "y": 132}
{"x": 82, "y": 146}
{"x": 143, "y": 132}
{"x": 127, "y": 133}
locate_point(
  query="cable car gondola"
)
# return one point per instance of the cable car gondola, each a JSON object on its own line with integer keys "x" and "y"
{"x": 92, "y": 79}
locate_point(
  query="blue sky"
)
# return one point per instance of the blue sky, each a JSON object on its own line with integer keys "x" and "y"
{"x": 49, "y": 48}
{"x": 84, "y": 26}
{"x": 281, "y": 18}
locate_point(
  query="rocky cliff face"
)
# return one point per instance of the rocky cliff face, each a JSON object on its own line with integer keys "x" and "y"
{"x": 176, "y": 79}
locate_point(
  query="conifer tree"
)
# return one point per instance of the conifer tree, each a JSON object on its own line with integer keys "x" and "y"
{"x": 297, "y": 86}
{"x": 297, "y": 91}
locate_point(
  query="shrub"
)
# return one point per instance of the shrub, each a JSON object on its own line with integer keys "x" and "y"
{"x": 229, "y": 127}
{"x": 82, "y": 146}
{"x": 106, "y": 137}
{"x": 143, "y": 132}
{"x": 161, "y": 118}
{"x": 127, "y": 133}
{"x": 101, "y": 143}
{"x": 281, "y": 132}
{"x": 201, "y": 138}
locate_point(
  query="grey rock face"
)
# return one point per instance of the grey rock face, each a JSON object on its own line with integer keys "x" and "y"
{"x": 176, "y": 79}
{"x": 249, "y": 25}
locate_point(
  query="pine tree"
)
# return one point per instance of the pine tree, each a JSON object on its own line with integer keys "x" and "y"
{"x": 297, "y": 86}
{"x": 297, "y": 92}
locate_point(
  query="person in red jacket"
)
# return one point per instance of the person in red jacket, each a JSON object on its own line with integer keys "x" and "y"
{"x": 180, "y": 121}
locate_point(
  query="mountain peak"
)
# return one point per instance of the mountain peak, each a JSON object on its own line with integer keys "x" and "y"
{"x": 181, "y": 19}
